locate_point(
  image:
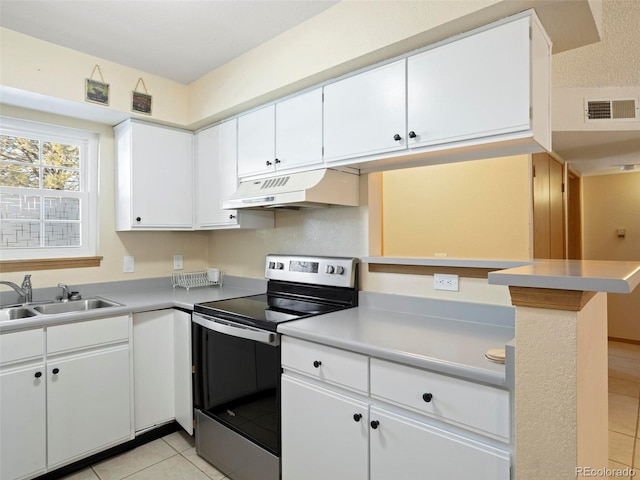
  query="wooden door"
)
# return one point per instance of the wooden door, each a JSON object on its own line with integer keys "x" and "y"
{"x": 574, "y": 217}
{"x": 548, "y": 207}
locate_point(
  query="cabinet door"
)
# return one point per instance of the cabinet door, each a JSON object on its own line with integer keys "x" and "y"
{"x": 404, "y": 449}
{"x": 363, "y": 113}
{"x": 256, "y": 142}
{"x": 162, "y": 176}
{"x": 23, "y": 425}
{"x": 153, "y": 354}
{"x": 474, "y": 87}
{"x": 88, "y": 404}
{"x": 321, "y": 438}
{"x": 182, "y": 368}
{"x": 216, "y": 174}
{"x": 299, "y": 130}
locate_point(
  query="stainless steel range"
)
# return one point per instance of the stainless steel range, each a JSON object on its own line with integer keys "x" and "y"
{"x": 236, "y": 351}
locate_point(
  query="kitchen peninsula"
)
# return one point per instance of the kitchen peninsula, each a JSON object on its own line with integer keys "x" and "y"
{"x": 558, "y": 356}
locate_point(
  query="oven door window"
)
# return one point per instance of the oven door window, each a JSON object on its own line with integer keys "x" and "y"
{"x": 240, "y": 386}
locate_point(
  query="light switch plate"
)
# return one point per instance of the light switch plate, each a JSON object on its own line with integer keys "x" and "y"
{"x": 128, "y": 265}
{"x": 178, "y": 262}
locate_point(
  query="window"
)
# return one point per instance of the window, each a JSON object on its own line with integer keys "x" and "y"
{"x": 48, "y": 191}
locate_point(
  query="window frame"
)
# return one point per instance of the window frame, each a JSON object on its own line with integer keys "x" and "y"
{"x": 88, "y": 194}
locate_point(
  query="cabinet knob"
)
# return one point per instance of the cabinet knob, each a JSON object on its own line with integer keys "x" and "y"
{"x": 277, "y": 161}
{"x": 427, "y": 397}
{"x": 317, "y": 364}
{"x": 38, "y": 374}
{"x": 269, "y": 163}
{"x": 412, "y": 134}
{"x": 138, "y": 219}
{"x": 55, "y": 371}
{"x": 357, "y": 417}
{"x": 374, "y": 424}
{"x": 232, "y": 216}
{"x": 397, "y": 137}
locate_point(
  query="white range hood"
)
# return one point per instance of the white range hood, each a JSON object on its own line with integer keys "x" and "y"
{"x": 313, "y": 189}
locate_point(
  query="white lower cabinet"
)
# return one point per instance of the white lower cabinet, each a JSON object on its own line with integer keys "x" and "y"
{"x": 88, "y": 404}
{"x": 23, "y": 422}
{"x": 405, "y": 449}
{"x": 324, "y": 434}
{"x": 67, "y": 401}
{"x": 162, "y": 369}
{"x": 333, "y": 431}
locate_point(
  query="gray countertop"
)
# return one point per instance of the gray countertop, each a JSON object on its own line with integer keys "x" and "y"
{"x": 134, "y": 301}
{"x": 444, "y": 336}
{"x": 586, "y": 275}
{"x": 453, "y": 345}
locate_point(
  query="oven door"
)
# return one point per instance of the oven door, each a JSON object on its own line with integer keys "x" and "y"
{"x": 237, "y": 386}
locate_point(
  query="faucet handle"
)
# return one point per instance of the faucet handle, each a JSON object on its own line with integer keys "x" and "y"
{"x": 65, "y": 291}
{"x": 26, "y": 281}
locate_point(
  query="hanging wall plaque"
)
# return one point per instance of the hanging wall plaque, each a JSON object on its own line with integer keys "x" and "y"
{"x": 95, "y": 91}
{"x": 141, "y": 102}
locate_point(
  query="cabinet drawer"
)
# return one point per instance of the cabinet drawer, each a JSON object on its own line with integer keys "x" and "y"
{"x": 25, "y": 345}
{"x": 327, "y": 364}
{"x": 61, "y": 338}
{"x": 470, "y": 405}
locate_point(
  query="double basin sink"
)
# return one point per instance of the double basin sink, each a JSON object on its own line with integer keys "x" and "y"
{"x": 54, "y": 308}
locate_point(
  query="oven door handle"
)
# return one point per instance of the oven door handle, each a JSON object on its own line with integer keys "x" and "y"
{"x": 247, "y": 333}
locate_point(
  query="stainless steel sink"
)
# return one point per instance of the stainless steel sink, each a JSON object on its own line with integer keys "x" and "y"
{"x": 75, "y": 306}
{"x": 16, "y": 313}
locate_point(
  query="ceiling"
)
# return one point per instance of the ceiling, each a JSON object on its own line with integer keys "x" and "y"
{"x": 182, "y": 40}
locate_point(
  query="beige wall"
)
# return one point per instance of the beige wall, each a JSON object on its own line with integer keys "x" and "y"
{"x": 153, "y": 251}
{"x": 478, "y": 209}
{"x": 41, "y": 67}
{"x": 611, "y": 202}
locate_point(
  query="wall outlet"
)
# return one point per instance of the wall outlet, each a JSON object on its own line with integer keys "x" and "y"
{"x": 128, "y": 265}
{"x": 177, "y": 262}
{"x": 443, "y": 281}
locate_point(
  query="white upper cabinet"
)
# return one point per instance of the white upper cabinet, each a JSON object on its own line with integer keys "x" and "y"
{"x": 216, "y": 178}
{"x": 154, "y": 168}
{"x": 299, "y": 130}
{"x": 365, "y": 114}
{"x": 257, "y": 142}
{"x": 474, "y": 87}
{"x": 281, "y": 136}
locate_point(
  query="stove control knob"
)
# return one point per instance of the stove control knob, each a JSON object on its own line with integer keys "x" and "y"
{"x": 339, "y": 270}
{"x": 329, "y": 269}
{"x": 279, "y": 266}
{"x": 272, "y": 265}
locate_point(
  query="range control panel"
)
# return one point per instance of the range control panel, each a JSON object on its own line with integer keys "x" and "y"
{"x": 333, "y": 271}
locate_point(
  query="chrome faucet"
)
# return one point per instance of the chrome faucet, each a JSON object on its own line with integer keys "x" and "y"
{"x": 65, "y": 292}
{"x": 25, "y": 290}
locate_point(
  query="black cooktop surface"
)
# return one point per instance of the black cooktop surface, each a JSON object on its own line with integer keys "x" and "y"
{"x": 263, "y": 310}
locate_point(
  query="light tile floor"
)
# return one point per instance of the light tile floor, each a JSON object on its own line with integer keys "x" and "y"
{"x": 174, "y": 457}
{"x": 169, "y": 458}
{"x": 624, "y": 406}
